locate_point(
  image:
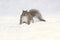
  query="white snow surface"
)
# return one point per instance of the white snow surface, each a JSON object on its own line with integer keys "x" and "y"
{"x": 10, "y": 29}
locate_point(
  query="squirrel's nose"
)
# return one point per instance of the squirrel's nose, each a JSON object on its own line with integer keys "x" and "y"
{"x": 24, "y": 22}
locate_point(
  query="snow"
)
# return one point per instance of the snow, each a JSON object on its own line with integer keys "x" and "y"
{"x": 10, "y": 29}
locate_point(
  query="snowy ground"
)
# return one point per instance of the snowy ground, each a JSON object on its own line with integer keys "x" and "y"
{"x": 11, "y": 30}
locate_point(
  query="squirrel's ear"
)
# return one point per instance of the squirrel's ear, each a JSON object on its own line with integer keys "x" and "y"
{"x": 23, "y": 10}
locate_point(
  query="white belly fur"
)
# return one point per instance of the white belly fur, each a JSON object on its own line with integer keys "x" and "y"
{"x": 24, "y": 19}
